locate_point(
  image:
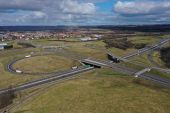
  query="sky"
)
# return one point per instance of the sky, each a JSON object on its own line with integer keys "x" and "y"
{"x": 84, "y": 12}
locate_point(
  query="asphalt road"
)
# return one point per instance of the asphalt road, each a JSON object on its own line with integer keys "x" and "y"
{"x": 130, "y": 71}
{"x": 146, "y": 49}
{"x": 150, "y": 58}
{"x": 11, "y": 69}
{"x": 157, "y": 66}
{"x": 48, "y": 79}
{"x": 116, "y": 67}
{"x": 162, "y": 69}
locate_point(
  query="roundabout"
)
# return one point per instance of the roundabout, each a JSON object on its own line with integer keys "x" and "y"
{"x": 41, "y": 64}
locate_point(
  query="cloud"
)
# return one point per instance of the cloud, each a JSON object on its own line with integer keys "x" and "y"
{"x": 141, "y": 7}
{"x": 83, "y": 12}
{"x": 143, "y": 11}
{"x": 70, "y": 6}
{"x": 20, "y": 5}
{"x": 46, "y": 11}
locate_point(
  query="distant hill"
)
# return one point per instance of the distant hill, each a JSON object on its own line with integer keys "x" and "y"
{"x": 32, "y": 28}
{"x": 140, "y": 28}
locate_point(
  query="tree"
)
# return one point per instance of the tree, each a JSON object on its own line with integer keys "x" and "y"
{"x": 7, "y": 98}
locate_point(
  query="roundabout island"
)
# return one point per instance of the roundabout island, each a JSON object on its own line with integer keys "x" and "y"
{"x": 41, "y": 64}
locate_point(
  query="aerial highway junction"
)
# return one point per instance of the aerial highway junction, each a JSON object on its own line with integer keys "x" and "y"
{"x": 92, "y": 63}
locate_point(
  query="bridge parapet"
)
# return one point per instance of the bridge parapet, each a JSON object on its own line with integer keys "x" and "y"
{"x": 142, "y": 72}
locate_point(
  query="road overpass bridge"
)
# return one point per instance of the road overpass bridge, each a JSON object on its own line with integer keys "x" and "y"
{"x": 95, "y": 63}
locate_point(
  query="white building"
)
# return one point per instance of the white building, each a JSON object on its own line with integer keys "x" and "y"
{"x": 98, "y": 36}
{"x": 85, "y": 39}
{"x": 88, "y": 39}
{"x": 2, "y": 45}
{"x": 1, "y": 37}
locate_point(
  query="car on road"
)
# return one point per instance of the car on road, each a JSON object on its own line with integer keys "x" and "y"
{"x": 75, "y": 67}
{"x": 28, "y": 56}
{"x": 18, "y": 71}
{"x": 136, "y": 76}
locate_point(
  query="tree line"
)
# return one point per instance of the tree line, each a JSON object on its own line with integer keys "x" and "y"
{"x": 122, "y": 43}
{"x": 165, "y": 55}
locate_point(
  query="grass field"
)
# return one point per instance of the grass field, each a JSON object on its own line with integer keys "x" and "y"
{"x": 93, "y": 48}
{"x": 156, "y": 58}
{"x": 89, "y": 49}
{"x": 144, "y": 39}
{"x": 101, "y": 91}
{"x": 44, "y": 64}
